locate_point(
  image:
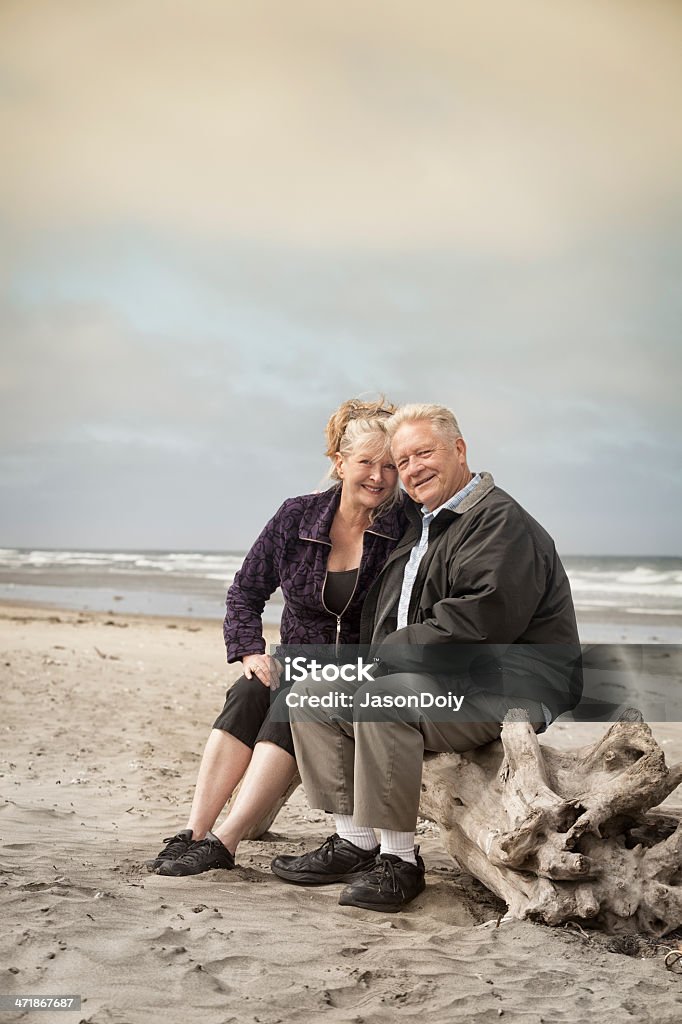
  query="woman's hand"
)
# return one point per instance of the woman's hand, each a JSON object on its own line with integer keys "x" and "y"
{"x": 262, "y": 667}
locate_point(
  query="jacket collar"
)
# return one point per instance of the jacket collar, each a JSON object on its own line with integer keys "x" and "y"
{"x": 319, "y": 515}
{"x": 484, "y": 487}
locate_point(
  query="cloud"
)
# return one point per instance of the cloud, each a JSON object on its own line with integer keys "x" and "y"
{"x": 409, "y": 125}
{"x": 218, "y": 223}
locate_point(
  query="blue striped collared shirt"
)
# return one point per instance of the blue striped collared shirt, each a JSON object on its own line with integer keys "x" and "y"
{"x": 419, "y": 550}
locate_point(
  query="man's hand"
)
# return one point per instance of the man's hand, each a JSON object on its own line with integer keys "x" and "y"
{"x": 262, "y": 667}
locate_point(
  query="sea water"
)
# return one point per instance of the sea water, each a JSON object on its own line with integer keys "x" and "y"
{"x": 633, "y": 598}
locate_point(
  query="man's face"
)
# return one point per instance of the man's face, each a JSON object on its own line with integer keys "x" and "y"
{"x": 432, "y": 468}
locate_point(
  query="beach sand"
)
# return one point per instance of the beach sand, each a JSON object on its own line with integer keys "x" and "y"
{"x": 104, "y": 720}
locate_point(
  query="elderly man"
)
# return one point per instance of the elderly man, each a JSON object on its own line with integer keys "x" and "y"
{"x": 473, "y": 575}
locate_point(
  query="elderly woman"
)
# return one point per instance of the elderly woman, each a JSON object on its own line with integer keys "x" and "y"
{"x": 324, "y": 550}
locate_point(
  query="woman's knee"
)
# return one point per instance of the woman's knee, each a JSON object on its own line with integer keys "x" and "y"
{"x": 248, "y": 691}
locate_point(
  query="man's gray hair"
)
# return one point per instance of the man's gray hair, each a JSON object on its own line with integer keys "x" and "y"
{"x": 441, "y": 418}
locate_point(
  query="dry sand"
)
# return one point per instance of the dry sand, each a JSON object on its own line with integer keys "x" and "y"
{"x": 104, "y": 719}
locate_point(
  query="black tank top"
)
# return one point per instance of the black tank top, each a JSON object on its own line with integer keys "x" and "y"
{"x": 338, "y": 589}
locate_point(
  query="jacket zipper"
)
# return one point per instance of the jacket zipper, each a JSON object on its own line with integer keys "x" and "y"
{"x": 337, "y": 644}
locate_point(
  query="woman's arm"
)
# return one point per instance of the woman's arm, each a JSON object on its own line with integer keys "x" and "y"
{"x": 253, "y": 584}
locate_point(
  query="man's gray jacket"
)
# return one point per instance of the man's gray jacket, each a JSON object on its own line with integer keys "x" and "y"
{"x": 490, "y": 578}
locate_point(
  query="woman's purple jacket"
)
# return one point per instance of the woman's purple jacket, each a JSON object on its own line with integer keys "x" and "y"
{"x": 292, "y": 553}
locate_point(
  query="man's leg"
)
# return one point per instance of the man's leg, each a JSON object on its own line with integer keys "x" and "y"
{"x": 325, "y": 752}
{"x": 391, "y": 740}
{"x": 390, "y": 743}
{"x": 324, "y": 743}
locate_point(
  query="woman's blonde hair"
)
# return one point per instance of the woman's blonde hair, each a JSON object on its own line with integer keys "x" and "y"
{"x": 351, "y": 421}
{"x": 360, "y": 423}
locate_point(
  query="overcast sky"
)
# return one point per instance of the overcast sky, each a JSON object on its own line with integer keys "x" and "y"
{"x": 220, "y": 219}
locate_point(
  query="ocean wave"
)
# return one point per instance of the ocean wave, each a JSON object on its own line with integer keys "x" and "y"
{"x": 620, "y": 584}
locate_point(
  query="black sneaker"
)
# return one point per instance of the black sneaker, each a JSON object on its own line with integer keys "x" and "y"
{"x": 175, "y": 847}
{"x": 335, "y": 861}
{"x": 204, "y": 855}
{"x": 390, "y": 884}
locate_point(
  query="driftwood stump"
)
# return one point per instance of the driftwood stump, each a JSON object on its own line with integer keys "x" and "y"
{"x": 561, "y": 835}
{"x": 565, "y": 835}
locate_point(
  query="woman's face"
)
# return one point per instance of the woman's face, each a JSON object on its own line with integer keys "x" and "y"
{"x": 368, "y": 474}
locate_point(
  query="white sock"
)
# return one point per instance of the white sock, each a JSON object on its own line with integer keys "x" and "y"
{"x": 359, "y": 835}
{"x": 398, "y": 844}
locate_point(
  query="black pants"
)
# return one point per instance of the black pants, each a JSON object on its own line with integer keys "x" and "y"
{"x": 246, "y": 716}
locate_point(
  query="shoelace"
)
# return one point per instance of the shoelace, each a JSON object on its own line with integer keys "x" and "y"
{"x": 327, "y": 848}
{"x": 383, "y": 871}
{"x": 197, "y": 850}
{"x": 174, "y": 841}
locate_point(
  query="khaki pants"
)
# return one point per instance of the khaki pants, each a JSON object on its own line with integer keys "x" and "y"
{"x": 368, "y": 762}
